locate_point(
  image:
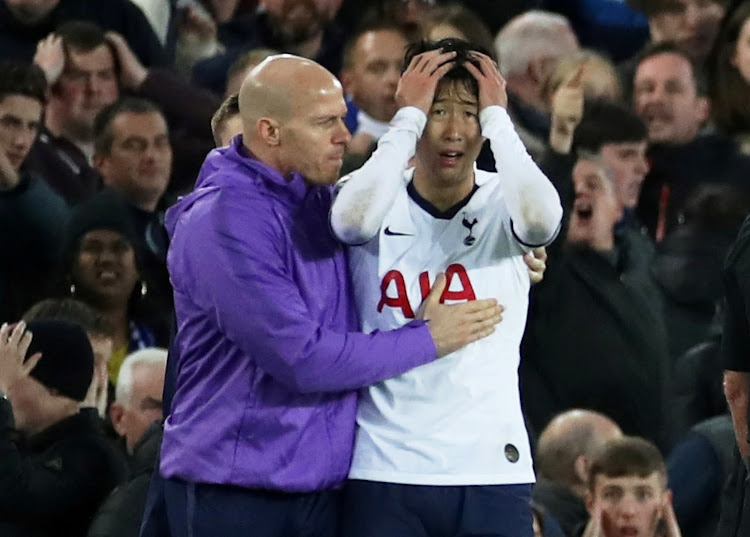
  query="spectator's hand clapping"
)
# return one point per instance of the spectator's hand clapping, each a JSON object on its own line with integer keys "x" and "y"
{"x": 14, "y": 343}
{"x": 491, "y": 83}
{"x": 418, "y": 83}
{"x": 132, "y": 71}
{"x": 50, "y": 57}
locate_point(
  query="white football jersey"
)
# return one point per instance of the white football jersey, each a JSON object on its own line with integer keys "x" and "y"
{"x": 457, "y": 420}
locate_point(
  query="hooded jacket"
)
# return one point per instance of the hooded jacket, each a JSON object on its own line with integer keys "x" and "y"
{"x": 267, "y": 357}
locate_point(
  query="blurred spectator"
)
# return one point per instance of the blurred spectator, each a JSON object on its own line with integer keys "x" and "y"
{"x": 408, "y": 15}
{"x": 30, "y": 212}
{"x": 697, "y": 393}
{"x": 373, "y": 61}
{"x": 627, "y": 492}
{"x": 134, "y": 157}
{"x": 102, "y": 267}
{"x": 527, "y": 48}
{"x": 88, "y": 69}
{"x": 300, "y": 27}
{"x": 23, "y": 23}
{"x": 54, "y": 479}
{"x": 75, "y": 311}
{"x": 455, "y": 20}
{"x": 736, "y": 360}
{"x": 610, "y": 26}
{"x": 563, "y": 454}
{"x": 670, "y": 97}
{"x": 697, "y": 468}
{"x": 691, "y": 25}
{"x": 599, "y": 77}
{"x": 80, "y": 69}
{"x": 729, "y": 79}
{"x": 244, "y": 64}
{"x": 136, "y": 415}
{"x": 595, "y": 337}
{"x": 227, "y": 123}
{"x": 688, "y": 262}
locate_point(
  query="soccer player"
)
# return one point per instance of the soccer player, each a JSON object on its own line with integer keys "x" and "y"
{"x": 442, "y": 449}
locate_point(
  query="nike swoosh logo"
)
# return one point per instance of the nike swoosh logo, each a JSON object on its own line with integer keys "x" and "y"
{"x": 396, "y": 233}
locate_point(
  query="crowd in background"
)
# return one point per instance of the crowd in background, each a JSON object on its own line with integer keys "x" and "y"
{"x": 638, "y": 111}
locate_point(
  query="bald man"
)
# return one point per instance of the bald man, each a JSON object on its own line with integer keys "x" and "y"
{"x": 564, "y": 450}
{"x": 261, "y": 426}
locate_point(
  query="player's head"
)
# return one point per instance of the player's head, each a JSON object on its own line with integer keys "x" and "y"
{"x": 293, "y": 113}
{"x": 452, "y": 139}
{"x": 628, "y": 486}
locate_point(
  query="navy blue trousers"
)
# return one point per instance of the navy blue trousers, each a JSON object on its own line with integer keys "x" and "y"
{"x": 201, "y": 510}
{"x": 374, "y": 509}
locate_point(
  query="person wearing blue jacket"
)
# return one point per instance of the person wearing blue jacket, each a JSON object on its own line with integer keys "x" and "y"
{"x": 268, "y": 358}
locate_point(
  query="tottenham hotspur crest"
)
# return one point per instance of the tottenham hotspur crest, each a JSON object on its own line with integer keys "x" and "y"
{"x": 469, "y": 239}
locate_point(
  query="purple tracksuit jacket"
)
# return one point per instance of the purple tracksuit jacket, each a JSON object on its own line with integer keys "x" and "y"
{"x": 269, "y": 356}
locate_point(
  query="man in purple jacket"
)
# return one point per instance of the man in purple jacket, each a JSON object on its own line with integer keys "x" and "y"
{"x": 261, "y": 426}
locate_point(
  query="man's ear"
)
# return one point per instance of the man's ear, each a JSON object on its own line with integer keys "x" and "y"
{"x": 116, "y": 414}
{"x": 100, "y": 163}
{"x": 269, "y": 131}
{"x": 347, "y": 81}
{"x": 589, "y": 499}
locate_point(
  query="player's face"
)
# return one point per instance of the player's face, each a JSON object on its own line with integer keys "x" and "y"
{"x": 315, "y": 138}
{"x": 452, "y": 139}
{"x": 631, "y": 506}
{"x": 628, "y": 162}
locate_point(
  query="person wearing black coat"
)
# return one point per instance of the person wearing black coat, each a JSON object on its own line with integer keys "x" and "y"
{"x": 595, "y": 337}
{"x": 120, "y": 515}
{"x": 54, "y": 478}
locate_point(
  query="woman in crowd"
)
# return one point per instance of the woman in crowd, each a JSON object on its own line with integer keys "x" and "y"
{"x": 100, "y": 267}
{"x": 730, "y": 77}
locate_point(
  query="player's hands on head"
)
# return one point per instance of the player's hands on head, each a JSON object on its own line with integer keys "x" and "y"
{"x": 536, "y": 262}
{"x": 491, "y": 83}
{"x": 457, "y": 325}
{"x": 418, "y": 83}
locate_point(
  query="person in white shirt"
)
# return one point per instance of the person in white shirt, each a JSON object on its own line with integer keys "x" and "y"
{"x": 443, "y": 449}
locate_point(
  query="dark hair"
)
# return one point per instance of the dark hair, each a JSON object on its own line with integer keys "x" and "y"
{"x": 81, "y": 36}
{"x": 67, "y": 309}
{"x": 228, "y": 109}
{"x": 607, "y": 122}
{"x": 655, "y": 7}
{"x": 666, "y": 47}
{"x": 625, "y": 457}
{"x": 18, "y": 78}
{"x": 103, "y": 135}
{"x": 465, "y": 21}
{"x": 463, "y": 50}
{"x": 351, "y": 44}
{"x": 729, "y": 92}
